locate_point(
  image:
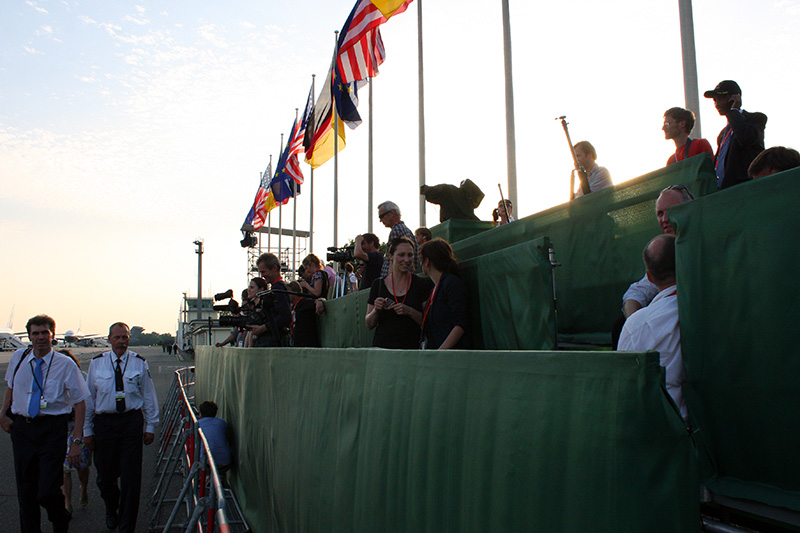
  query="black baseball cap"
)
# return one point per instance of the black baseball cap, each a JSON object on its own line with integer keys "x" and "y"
{"x": 724, "y": 88}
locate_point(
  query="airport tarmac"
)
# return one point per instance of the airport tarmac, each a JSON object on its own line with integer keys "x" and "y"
{"x": 90, "y": 519}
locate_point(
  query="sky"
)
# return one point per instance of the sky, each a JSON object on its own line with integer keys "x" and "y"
{"x": 128, "y": 130}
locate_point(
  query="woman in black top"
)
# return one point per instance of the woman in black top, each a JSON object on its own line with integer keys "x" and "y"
{"x": 446, "y": 315}
{"x": 395, "y": 302}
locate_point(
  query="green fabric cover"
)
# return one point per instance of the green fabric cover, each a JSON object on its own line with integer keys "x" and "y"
{"x": 385, "y": 440}
{"x": 455, "y": 230}
{"x": 738, "y": 287}
{"x": 502, "y": 286}
{"x": 599, "y": 240}
{"x": 343, "y": 325}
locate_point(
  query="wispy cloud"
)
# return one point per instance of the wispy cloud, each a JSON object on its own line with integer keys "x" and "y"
{"x": 37, "y": 8}
{"x": 32, "y": 50}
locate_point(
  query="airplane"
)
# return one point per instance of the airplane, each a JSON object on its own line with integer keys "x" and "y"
{"x": 74, "y": 337}
{"x": 9, "y": 340}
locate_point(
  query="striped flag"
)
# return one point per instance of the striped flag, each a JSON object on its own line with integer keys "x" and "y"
{"x": 296, "y": 142}
{"x": 360, "y": 44}
{"x": 281, "y": 185}
{"x": 318, "y": 140}
{"x": 258, "y": 211}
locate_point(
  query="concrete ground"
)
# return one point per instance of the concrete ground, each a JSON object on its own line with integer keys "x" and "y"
{"x": 90, "y": 519}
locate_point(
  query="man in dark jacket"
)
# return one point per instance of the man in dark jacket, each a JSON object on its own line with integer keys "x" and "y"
{"x": 741, "y": 140}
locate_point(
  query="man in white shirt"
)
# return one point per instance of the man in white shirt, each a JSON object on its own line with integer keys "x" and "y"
{"x": 642, "y": 292}
{"x": 43, "y": 388}
{"x": 121, "y": 415}
{"x": 656, "y": 326}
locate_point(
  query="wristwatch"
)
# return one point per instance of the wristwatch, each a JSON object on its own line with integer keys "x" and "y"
{"x": 79, "y": 442}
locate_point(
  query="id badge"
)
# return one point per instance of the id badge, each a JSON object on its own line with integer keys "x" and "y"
{"x": 423, "y": 344}
{"x": 120, "y": 395}
{"x": 42, "y": 403}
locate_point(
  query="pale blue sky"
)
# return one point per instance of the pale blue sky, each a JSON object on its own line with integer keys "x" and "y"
{"x": 128, "y": 129}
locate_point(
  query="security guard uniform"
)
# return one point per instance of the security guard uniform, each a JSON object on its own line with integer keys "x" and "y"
{"x": 43, "y": 393}
{"x": 122, "y": 400}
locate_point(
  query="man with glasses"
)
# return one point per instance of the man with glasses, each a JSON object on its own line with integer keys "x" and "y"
{"x": 389, "y": 215}
{"x": 678, "y": 124}
{"x": 44, "y": 386}
{"x": 642, "y": 292}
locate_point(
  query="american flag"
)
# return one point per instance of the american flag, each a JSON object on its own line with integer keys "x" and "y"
{"x": 360, "y": 45}
{"x": 259, "y": 209}
{"x": 296, "y": 142}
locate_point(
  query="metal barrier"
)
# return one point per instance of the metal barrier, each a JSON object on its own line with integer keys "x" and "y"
{"x": 209, "y": 507}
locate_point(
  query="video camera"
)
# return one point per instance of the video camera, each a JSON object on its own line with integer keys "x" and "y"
{"x": 232, "y": 306}
{"x": 261, "y": 315}
{"x": 342, "y": 255}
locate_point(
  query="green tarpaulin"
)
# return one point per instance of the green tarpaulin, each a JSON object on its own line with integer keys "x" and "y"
{"x": 382, "y": 440}
{"x": 738, "y": 293}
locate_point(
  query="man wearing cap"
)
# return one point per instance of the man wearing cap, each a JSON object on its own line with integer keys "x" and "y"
{"x": 741, "y": 140}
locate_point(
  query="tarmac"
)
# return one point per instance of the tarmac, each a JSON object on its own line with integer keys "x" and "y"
{"x": 89, "y": 519}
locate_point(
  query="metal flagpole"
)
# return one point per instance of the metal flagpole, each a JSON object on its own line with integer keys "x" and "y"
{"x": 294, "y": 210}
{"x": 269, "y": 217}
{"x": 311, "y": 180}
{"x": 690, "y": 90}
{"x": 421, "y": 90}
{"x": 280, "y": 211}
{"x": 335, "y": 148}
{"x": 369, "y": 163}
{"x": 511, "y": 145}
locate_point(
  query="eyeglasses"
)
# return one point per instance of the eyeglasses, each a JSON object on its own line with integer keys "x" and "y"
{"x": 381, "y": 215}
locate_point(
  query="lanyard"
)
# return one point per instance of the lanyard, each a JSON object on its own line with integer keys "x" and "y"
{"x": 41, "y": 386}
{"x": 428, "y": 306}
{"x": 394, "y": 293}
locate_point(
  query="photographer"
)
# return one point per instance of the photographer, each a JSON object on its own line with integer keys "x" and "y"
{"x": 304, "y": 320}
{"x": 277, "y": 308}
{"x": 238, "y": 335}
{"x": 366, "y": 249}
{"x": 315, "y": 280}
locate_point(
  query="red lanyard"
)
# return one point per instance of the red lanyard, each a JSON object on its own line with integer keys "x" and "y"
{"x": 428, "y": 306}
{"x": 394, "y": 293}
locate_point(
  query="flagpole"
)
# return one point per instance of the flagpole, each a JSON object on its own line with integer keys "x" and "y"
{"x": 421, "y": 107}
{"x": 369, "y": 163}
{"x": 311, "y": 179}
{"x": 280, "y": 214}
{"x": 335, "y": 148}
{"x": 511, "y": 144}
{"x": 690, "y": 90}
{"x": 294, "y": 211}
{"x": 269, "y": 216}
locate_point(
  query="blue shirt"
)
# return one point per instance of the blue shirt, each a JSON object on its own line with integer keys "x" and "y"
{"x": 216, "y": 432}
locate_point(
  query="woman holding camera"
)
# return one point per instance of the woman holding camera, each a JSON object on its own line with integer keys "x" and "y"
{"x": 317, "y": 284}
{"x": 256, "y": 285}
{"x": 395, "y": 302}
{"x": 445, "y": 319}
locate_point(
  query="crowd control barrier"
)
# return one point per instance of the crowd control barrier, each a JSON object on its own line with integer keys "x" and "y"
{"x": 203, "y": 505}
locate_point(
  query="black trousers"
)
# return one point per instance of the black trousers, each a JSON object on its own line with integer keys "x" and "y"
{"x": 40, "y": 447}
{"x": 118, "y": 456}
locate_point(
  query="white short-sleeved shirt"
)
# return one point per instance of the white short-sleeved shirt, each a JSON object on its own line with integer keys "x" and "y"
{"x": 63, "y": 385}
{"x": 656, "y": 327}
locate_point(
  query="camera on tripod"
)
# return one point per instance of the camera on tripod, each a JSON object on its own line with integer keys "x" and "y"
{"x": 342, "y": 255}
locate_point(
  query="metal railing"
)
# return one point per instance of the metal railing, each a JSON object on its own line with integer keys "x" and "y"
{"x": 183, "y": 448}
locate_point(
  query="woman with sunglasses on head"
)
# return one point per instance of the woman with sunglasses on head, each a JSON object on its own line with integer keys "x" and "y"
{"x": 445, "y": 318}
{"x": 395, "y": 302}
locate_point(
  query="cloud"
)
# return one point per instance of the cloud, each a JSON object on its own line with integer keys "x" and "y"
{"x": 44, "y": 30}
{"x": 37, "y": 8}
{"x": 33, "y": 51}
{"x": 140, "y": 21}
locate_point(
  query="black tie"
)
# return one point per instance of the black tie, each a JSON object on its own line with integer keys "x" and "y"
{"x": 120, "y": 387}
